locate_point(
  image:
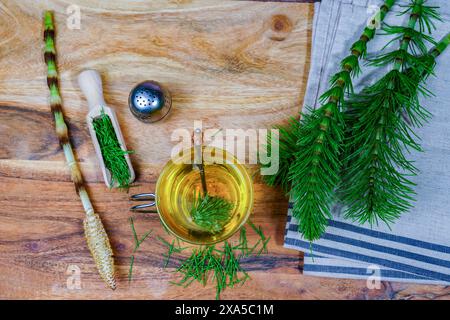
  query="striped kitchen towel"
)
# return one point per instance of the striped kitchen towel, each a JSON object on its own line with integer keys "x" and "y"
{"x": 417, "y": 247}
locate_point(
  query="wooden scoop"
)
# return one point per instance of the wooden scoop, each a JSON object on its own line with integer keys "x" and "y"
{"x": 90, "y": 83}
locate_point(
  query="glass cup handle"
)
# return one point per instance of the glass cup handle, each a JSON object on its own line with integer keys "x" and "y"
{"x": 143, "y": 197}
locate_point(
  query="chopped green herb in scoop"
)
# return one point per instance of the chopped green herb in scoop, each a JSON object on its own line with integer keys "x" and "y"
{"x": 113, "y": 155}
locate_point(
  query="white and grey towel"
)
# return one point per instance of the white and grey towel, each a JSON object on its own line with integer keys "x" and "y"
{"x": 417, "y": 247}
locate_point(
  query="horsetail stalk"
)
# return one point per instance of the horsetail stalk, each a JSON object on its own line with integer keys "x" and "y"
{"x": 95, "y": 233}
{"x": 375, "y": 183}
{"x": 312, "y": 164}
{"x": 441, "y": 46}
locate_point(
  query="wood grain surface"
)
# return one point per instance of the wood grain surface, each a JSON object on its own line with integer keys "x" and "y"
{"x": 231, "y": 64}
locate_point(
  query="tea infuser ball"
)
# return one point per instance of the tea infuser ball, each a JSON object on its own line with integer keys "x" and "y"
{"x": 149, "y": 101}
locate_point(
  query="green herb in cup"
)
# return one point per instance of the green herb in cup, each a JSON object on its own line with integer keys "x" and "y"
{"x": 210, "y": 212}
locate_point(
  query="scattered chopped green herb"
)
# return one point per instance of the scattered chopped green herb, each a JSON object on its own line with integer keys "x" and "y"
{"x": 173, "y": 248}
{"x": 137, "y": 244}
{"x": 220, "y": 264}
{"x": 130, "y": 271}
{"x": 377, "y": 183}
{"x": 263, "y": 238}
{"x": 113, "y": 155}
{"x": 232, "y": 266}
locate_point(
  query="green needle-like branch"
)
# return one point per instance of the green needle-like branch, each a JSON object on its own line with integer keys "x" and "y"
{"x": 288, "y": 136}
{"x": 314, "y": 171}
{"x": 112, "y": 152}
{"x": 376, "y": 181}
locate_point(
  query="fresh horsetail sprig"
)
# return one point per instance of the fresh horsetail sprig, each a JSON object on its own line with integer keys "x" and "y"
{"x": 290, "y": 145}
{"x": 210, "y": 212}
{"x": 112, "y": 152}
{"x": 243, "y": 243}
{"x": 376, "y": 181}
{"x": 315, "y": 167}
{"x": 287, "y": 146}
{"x": 96, "y": 237}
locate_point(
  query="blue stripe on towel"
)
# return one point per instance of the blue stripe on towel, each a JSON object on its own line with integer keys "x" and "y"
{"x": 360, "y": 271}
{"x": 391, "y": 237}
{"x": 380, "y": 248}
{"x": 312, "y": 255}
{"x": 385, "y": 236}
{"x": 373, "y": 260}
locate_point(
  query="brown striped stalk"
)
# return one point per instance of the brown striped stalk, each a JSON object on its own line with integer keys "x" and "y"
{"x": 95, "y": 233}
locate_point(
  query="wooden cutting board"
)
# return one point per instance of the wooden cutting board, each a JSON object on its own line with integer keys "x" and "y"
{"x": 231, "y": 64}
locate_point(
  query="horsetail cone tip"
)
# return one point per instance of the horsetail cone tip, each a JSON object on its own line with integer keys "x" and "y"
{"x": 95, "y": 233}
{"x": 97, "y": 240}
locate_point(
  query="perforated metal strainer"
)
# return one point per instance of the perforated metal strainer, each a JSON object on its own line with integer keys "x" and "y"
{"x": 149, "y": 101}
